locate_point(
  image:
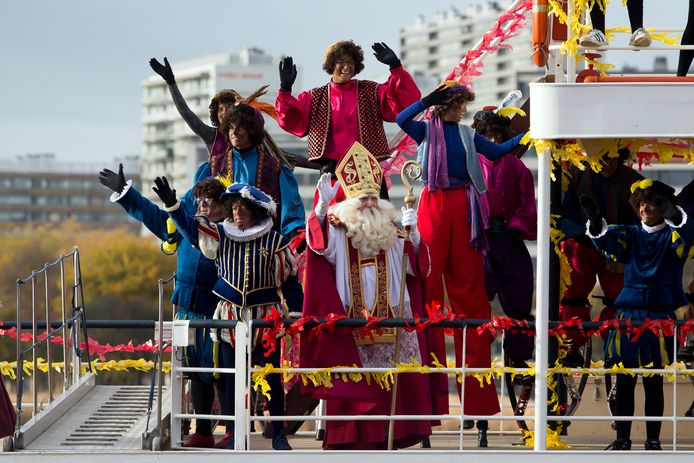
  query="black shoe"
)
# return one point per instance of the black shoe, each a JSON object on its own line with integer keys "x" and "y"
{"x": 572, "y": 359}
{"x": 652, "y": 444}
{"x": 426, "y": 443}
{"x": 686, "y": 354}
{"x": 482, "y": 438}
{"x": 619, "y": 444}
{"x": 468, "y": 424}
{"x": 279, "y": 442}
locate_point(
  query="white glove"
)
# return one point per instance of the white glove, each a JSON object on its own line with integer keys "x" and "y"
{"x": 326, "y": 193}
{"x": 409, "y": 219}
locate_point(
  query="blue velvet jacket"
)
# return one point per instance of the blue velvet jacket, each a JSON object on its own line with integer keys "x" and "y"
{"x": 195, "y": 274}
{"x": 653, "y": 260}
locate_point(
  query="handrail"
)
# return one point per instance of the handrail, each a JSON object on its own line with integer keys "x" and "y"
{"x": 76, "y": 322}
{"x": 20, "y": 367}
{"x": 157, "y": 376}
{"x": 341, "y": 323}
{"x": 244, "y": 370}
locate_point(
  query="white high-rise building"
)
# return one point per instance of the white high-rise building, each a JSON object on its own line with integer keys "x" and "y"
{"x": 433, "y": 48}
{"x": 169, "y": 146}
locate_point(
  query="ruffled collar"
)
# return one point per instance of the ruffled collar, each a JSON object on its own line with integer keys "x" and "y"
{"x": 654, "y": 228}
{"x": 249, "y": 234}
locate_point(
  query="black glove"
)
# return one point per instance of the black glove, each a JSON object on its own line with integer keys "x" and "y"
{"x": 667, "y": 209}
{"x": 439, "y": 96}
{"x": 592, "y": 213}
{"x": 164, "y": 191}
{"x": 287, "y": 74}
{"x": 164, "y": 70}
{"x": 113, "y": 181}
{"x": 385, "y": 55}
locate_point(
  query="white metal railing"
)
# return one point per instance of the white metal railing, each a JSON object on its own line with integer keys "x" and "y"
{"x": 72, "y": 327}
{"x": 243, "y": 419}
{"x": 555, "y": 64}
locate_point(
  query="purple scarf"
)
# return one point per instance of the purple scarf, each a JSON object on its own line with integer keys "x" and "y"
{"x": 437, "y": 170}
{"x": 478, "y": 217}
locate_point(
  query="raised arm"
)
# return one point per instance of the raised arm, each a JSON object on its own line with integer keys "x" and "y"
{"x": 197, "y": 230}
{"x": 400, "y": 91}
{"x": 491, "y": 150}
{"x": 292, "y": 112}
{"x": 202, "y": 130}
{"x": 133, "y": 203}
{"x": 417, "y": 129}
{"x": 612, "y": 241}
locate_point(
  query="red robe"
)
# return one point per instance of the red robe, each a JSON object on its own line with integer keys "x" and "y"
{"x": 339, "y": 349}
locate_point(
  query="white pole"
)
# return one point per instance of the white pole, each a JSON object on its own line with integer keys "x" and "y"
{"x": 570, "y": 60}
{"x": 241, "y": 334}
{"x": 542, "y": 292}
{"x": 176, "y": 394}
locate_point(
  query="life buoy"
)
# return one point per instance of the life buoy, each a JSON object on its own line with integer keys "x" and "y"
{"x": 540, "y": 32}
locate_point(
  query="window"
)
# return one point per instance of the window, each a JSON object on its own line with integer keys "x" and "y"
{"x": 433, "y": 50}
{"x": 433, "y": 63}
{"x": 15, "y": 199}
{"x": 433, "y": 35}
{"x": 78, "y": 200}
{"x": 501, "y": 66}
{"x": 21, "y": 183}
{"x": 12, "y": 216}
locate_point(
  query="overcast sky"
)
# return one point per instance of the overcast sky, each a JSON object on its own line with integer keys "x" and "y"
{"x": 71, "y": 69}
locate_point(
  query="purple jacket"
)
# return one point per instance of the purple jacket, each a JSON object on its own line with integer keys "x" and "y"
{"x": 511, "y": 194}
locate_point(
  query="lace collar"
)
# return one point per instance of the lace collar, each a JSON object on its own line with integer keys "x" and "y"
{"x": 256, "y": 231}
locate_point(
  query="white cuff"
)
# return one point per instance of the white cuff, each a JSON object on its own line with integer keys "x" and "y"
{"x": 321, "y": 210}
{"x": 684, "y": 219}
{"x": 599, "y": 235}
{"x": 115, "y": 197}
{"x": 174, "y": 207}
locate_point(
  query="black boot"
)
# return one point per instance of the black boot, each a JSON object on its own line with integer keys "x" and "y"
{"x": 652, "y": 444}
{"x": 482, "y": 426}
{"x": 619, "y": 444}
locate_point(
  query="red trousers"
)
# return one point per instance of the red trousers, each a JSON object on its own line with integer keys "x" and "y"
{"x": 586, "y": 264}
{"x": 444, "y": 228}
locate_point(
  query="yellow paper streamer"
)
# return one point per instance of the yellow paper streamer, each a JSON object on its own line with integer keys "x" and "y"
{"x": 9, "y": 368}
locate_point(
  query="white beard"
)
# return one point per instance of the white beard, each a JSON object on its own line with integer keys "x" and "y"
{"x": 370, "y": 230}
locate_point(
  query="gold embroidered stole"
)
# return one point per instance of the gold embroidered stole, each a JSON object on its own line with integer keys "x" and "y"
{"x": 382, "y": 307}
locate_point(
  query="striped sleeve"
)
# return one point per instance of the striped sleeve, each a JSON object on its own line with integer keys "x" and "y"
{"x": 208, "y": 237}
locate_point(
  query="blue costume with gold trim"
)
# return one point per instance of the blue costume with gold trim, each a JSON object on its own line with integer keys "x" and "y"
{"x": 252, "y": 265}
{"x": 653, "y": 259}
